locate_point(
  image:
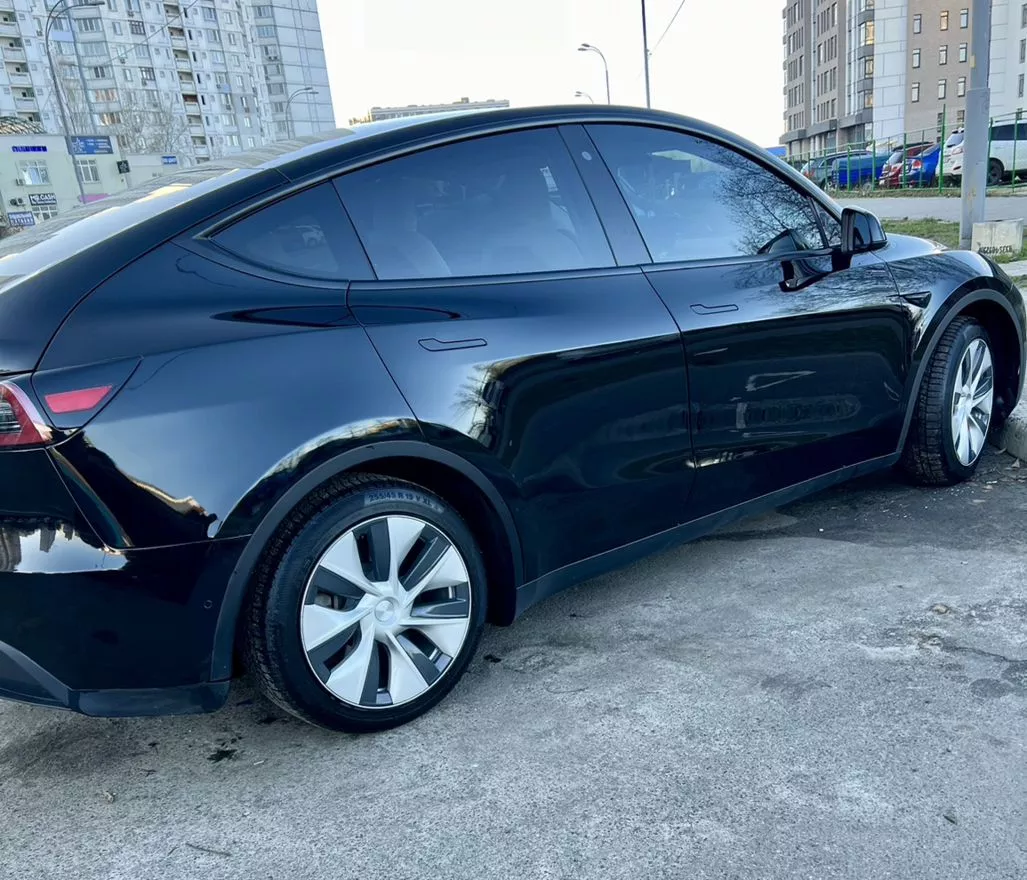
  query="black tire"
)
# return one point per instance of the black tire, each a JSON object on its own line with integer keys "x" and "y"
{"x": 272, "y": 642}
{"x": 995, "y": 172}
{"x": 929, "y": 456}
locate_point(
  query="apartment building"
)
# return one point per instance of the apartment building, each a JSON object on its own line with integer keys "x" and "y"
{"x": 195, "y": 78}
{"x": 464, "y": 104}
{"x": 904, "y": 70}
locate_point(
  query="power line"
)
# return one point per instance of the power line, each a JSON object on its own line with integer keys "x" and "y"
{"x": 673, "y": 18}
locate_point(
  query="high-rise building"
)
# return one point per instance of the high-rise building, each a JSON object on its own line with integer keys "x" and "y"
{"x": 195, "y": 78}
{"x": 464, "y": 104}
{"x": 861, "y": 72}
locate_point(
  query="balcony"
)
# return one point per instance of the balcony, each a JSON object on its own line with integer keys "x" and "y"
{"x": 27, "y": 105}
{"x": 7, "y": 5}
{"x": 9, "y": 28}
{"x": 183, "y": 64}
{"x": 14, "y": 53}
{"x": 191, "y": 107}
{"x": 19, "y": 79}
{"x": 178, "y": 41}
{"x": 196, "y": 130}
{"x": 201, "y": 151}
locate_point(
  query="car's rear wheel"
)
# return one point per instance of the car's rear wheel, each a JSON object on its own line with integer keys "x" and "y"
{"x": 953, "y": 407}
{"x": 995, "y": 172}
{"x": 369, "y": 606}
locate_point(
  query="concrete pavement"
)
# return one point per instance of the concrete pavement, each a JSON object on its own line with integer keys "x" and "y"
{"x": 838, "y": 689}
{"x": 935, "y": 207}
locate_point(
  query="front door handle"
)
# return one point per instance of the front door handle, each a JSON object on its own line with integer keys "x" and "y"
{"x": 433, "y": 344}
{"x": 700, "y": 309}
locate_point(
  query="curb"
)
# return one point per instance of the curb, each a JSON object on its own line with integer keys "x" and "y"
{"x": 1014, "y": 435}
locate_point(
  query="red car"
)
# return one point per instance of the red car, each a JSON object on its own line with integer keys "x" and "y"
{"x": 891, "y": 173}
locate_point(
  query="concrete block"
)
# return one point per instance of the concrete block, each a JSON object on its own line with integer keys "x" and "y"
{"x": 998, "y": 238}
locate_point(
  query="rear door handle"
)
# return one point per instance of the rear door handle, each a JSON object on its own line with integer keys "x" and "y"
{"x": 700, "y": 309}
{"x": 433, "y": 344}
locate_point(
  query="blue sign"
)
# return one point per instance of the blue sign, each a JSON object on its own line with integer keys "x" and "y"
{"x": 169, "y": 160}
{"x": 21, "y": 218}
{"x": 91, "y": 146}
{"x": 40, "y": 199}
{"x": 28, "y": 149}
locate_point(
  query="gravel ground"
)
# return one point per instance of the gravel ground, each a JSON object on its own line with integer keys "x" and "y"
{"x": 838, "y": 689}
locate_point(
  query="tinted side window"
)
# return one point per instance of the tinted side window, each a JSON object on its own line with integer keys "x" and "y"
{"x": 695, "y": 200}
{"x": 497, "y": 205}
{"x": 303, "y": 234}
{"x": 1002, "y": 133}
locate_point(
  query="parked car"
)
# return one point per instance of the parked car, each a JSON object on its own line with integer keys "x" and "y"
{"x": 857, "y": 170}
{"x": 818, "y": 169}
{"x": 1007, "y": 153}
{"x": 922, "y": 169}
{"x": 891, "y": 173}
{"x": 330, "y": 411}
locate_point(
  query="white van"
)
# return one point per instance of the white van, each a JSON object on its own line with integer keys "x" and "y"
{"x": 1008, "y": 153}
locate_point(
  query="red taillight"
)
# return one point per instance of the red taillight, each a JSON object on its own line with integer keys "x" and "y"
{"x": 20, "y": 422}
{"x": 77, "y": 401}
{"x": 917, "y": 164}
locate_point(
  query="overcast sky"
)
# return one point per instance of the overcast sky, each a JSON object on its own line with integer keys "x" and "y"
{"x": 720, "y": 61}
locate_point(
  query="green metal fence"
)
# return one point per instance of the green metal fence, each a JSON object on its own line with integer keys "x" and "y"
{"x": 909, "y": 160}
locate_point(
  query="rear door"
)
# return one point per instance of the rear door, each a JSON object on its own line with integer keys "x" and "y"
{"x": 795, "y": 369}
{"x": 521, "y": 344}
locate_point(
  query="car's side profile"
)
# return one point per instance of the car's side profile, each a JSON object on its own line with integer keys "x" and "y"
{"x": 328, "y": 416}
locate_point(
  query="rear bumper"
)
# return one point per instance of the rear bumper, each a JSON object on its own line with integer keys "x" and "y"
{"x": 25, "y": 681}
{"x": 96, "y": 630}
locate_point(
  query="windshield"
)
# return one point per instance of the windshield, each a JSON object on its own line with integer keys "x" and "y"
{"x": 954, "y": 139}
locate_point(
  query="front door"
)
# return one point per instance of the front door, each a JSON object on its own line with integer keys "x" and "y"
{"x": 795, "y": 369}
{"x": 521, "y": 345}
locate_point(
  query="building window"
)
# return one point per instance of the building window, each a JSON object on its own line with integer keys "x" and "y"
{"x": 918, "y": 21}
{"x": 868, "y": 68}
{"x": 265, "y": 12}
{"x": 945, "y": 20}
{"x": 868, "y": 100}
{"x": 208, "y": 13}
{"x": 941, "y": 120}
{"x": 964, "y": 53}
{"x": 250, "y": 142}
{"x": 137, "y": 28}
{"x": 44, "y": 212}
{"x": 126, "y": 74}
{"x": 265, "y": 30}
{"x": 87, "y": 170}
{"x": 961, "y": 87}
{"x": 146, "y": 75}
{"x": 916, "y": 58}
{"x": 866, "y": 33}
{"x": 964, "y": 18}
{"x": 34, "y": 173}
{"x": 1023, "y": 15}
{"x": 942, "y": 89}
{"x": 915, "y": 93}
{"x": 1023, "y": 51}
{"x": 214, "y": 36}
{"x": 1019, "y": 86}
{"x": 116, "y": 28}
{"x": 960, "y": 118}
{"x": 142, "y": 51}
{"x": 943, "y": 54}
{"x": 101, "y": 73}
{"x": 112, "y": 5}
{"x": 87, "y": 25}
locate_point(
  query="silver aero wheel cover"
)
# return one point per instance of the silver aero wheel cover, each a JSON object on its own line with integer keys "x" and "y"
{"x": 385, "y": 611}
{"x": 972, "y": 400}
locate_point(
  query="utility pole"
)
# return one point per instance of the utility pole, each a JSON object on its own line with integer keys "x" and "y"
{"x": 645, "y": 53}
{"x": 975, "y": 135}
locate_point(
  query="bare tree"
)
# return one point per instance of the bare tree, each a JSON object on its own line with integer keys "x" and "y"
{"x": 156, "y": 124}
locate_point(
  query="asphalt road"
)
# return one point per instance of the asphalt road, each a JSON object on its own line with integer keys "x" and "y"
{"x": 837, "y": 690}
{"x": 936, "y": 207}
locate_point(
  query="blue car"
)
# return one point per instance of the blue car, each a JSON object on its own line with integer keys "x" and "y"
{"x": 857, "y": 170}
{"x": 922, "y": 170}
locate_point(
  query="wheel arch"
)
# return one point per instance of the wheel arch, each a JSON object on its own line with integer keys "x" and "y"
{"x": 1004, "y": 328}
{"x": 446, "y": 474}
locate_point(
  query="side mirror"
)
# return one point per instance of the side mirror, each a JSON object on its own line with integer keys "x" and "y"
{"x": 861, "y": 231}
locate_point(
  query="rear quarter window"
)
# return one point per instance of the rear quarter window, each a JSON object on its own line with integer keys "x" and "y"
{"x": 306, "y": 234}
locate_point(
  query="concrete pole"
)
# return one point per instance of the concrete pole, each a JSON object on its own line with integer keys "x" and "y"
{"x": 975, "y": 136}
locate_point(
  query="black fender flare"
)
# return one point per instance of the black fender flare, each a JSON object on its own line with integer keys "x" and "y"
{"x": 238, "y": 582}
{"x": 953, "y": 311}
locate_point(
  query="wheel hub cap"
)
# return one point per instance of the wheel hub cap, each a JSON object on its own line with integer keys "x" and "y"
{"x": 385, "y": 611}
{"x": 972, "y": 400}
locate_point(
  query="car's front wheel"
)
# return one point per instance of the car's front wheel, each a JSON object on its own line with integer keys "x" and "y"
{"x": 953, "y": 407}
{"x": 369, "y": 606}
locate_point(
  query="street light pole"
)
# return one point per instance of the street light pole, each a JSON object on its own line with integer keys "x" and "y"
{"x": 588, "y": 47}
{"x": 645, "y": 53}
{"x": 54, "y": 11}
{"x": 306, "y": 90}
{"x": 585, "y": 95}
{"x": 975, "y": 134}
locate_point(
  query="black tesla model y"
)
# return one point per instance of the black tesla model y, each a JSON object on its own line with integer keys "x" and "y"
{"x": 323, "y": 414}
